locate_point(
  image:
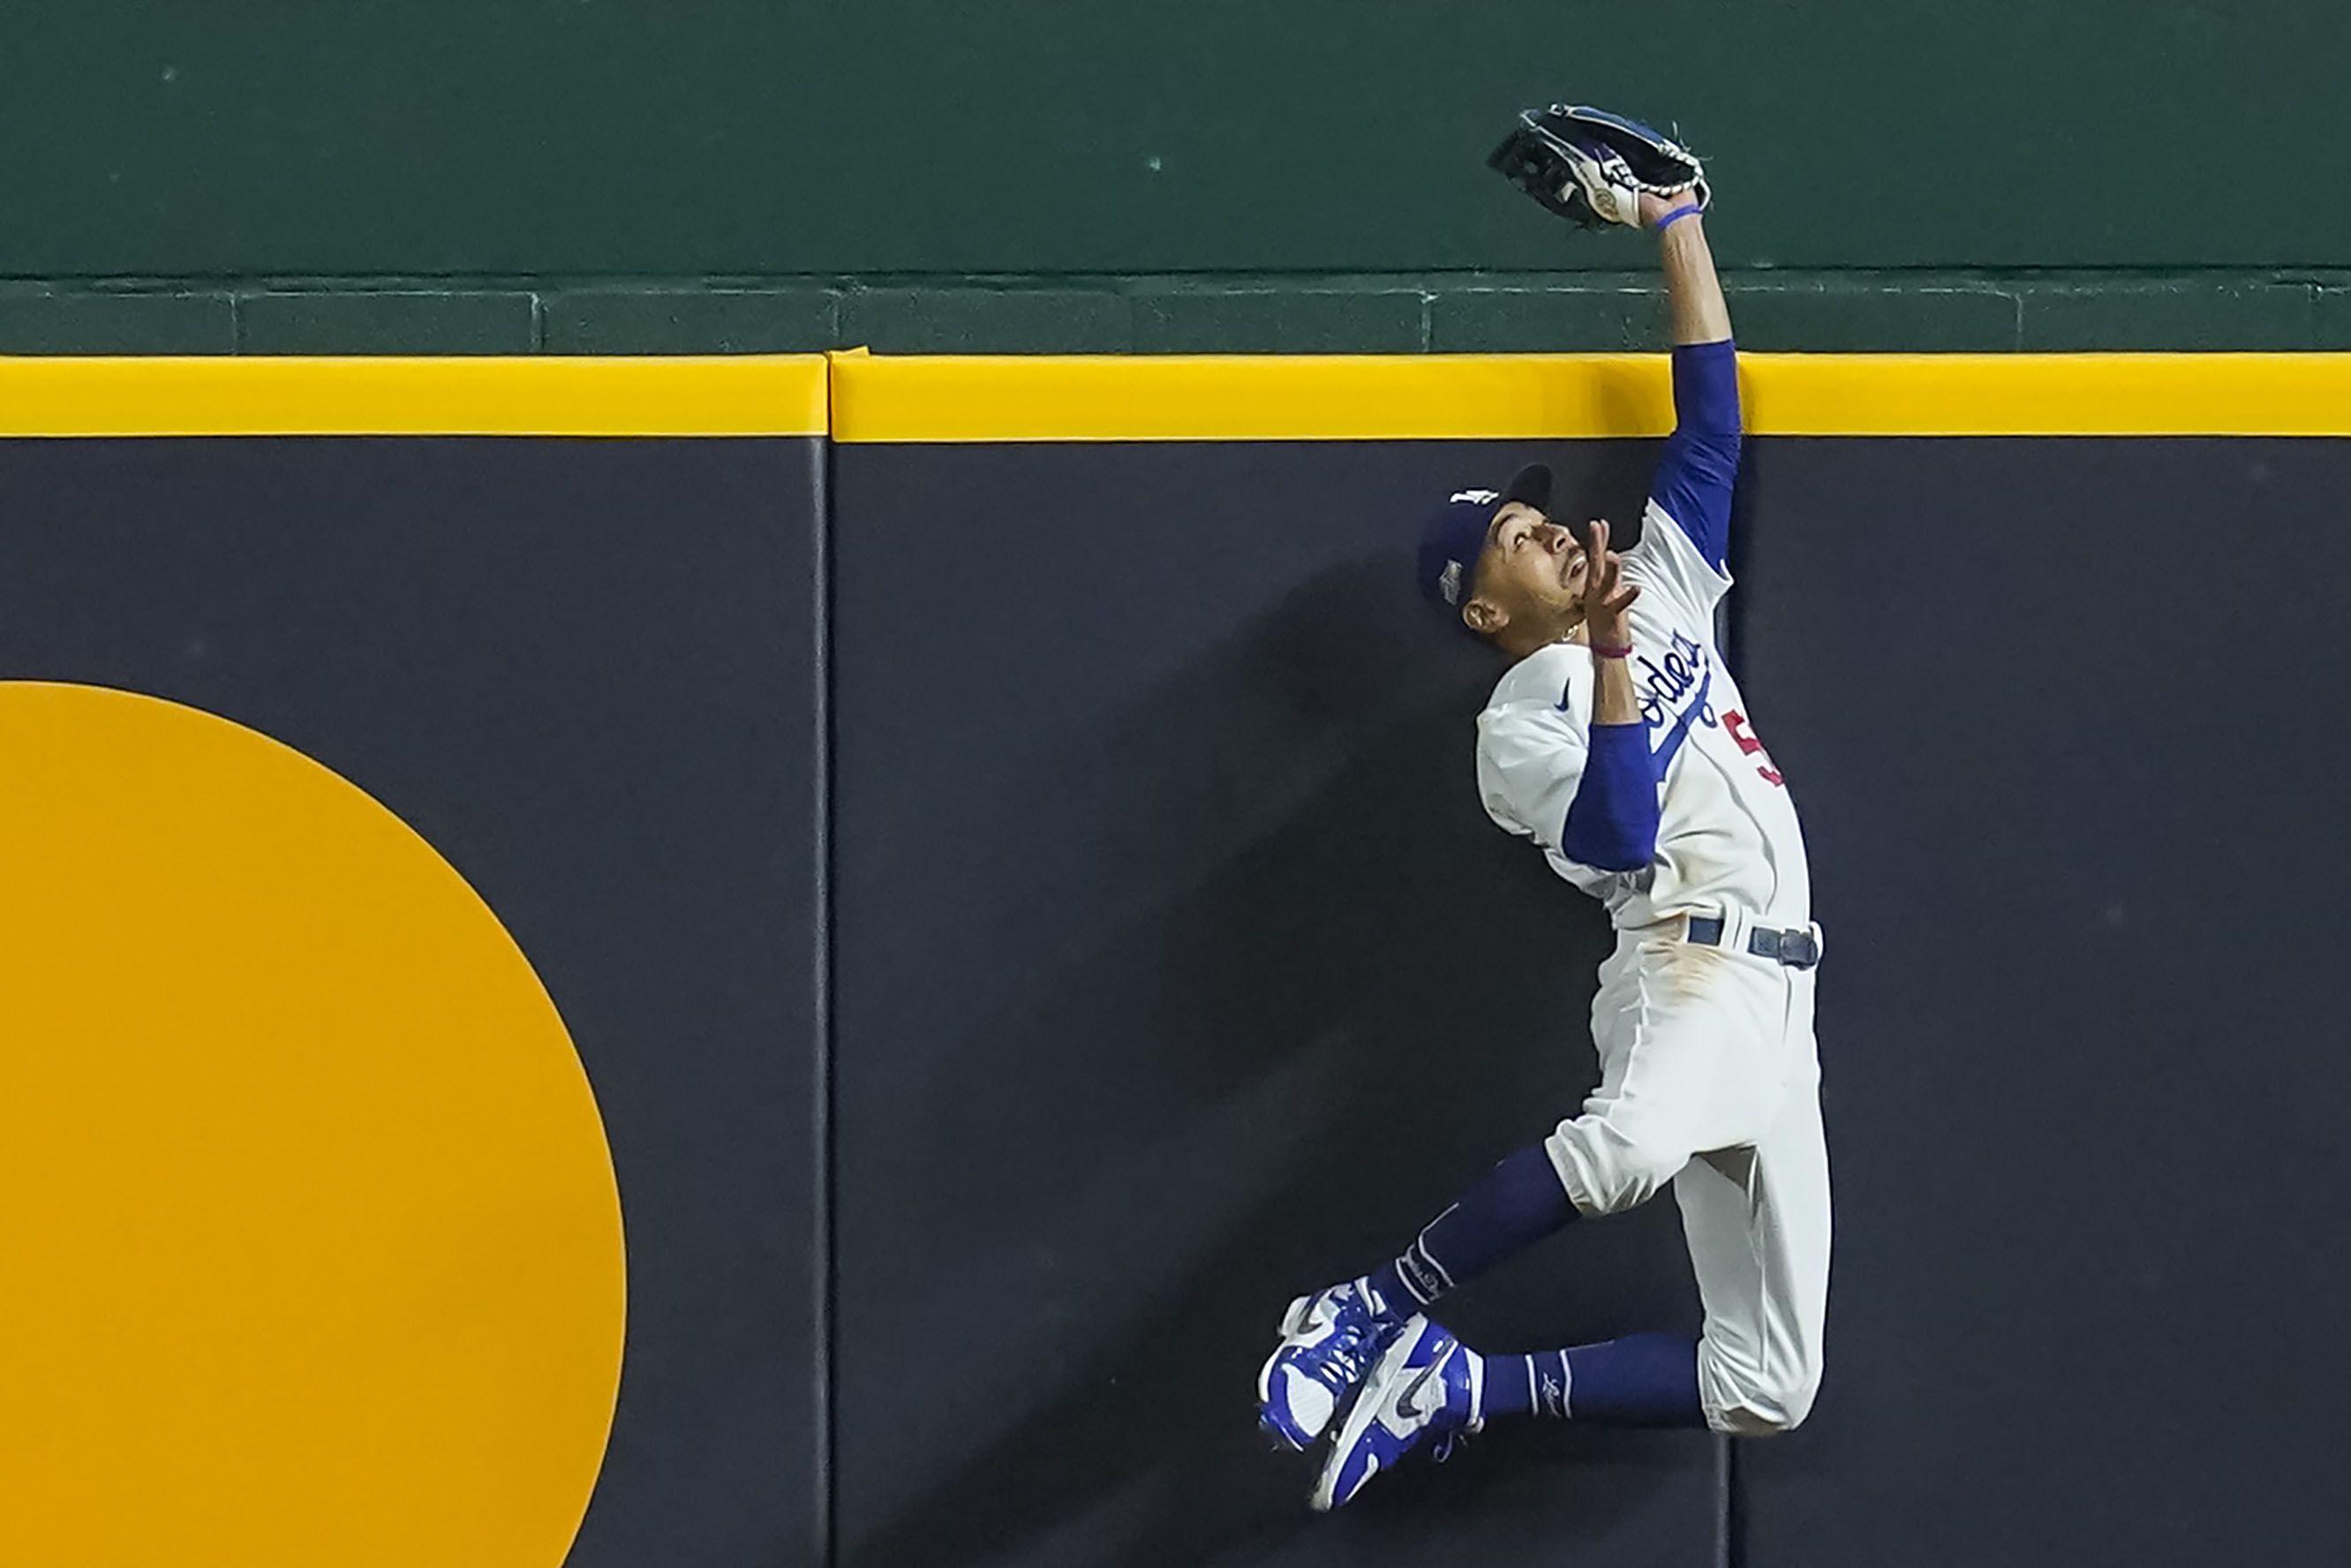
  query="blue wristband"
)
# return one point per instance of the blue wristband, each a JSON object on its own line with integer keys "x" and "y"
{"x": 1689, "y": 210}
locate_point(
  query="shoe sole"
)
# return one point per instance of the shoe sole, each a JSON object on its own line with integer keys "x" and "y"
{"x": 1369, "y": 1396}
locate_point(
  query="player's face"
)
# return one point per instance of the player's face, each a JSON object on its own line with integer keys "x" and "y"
{"x": 1533, "y": 570}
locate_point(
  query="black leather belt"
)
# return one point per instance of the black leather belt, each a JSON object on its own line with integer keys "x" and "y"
{"x": 1797, "y": 949}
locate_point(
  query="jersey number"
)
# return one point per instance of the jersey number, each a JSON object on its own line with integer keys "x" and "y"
{"x": 1735, "y": 723}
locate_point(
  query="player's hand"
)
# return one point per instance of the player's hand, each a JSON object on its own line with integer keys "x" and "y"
{"x": 1606, "y": 595}
{"x": 1653, "y": 206}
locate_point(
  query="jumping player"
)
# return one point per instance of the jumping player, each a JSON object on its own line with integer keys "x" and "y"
{"x": 1618, "y": 742}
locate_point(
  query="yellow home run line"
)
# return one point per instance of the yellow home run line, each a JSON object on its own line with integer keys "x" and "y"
{"x": 1544, "y": 396}
{"x": 858, "y": 397}
{"x": 696, "y": 395}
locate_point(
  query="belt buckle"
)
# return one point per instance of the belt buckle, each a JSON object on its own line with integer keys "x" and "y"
{"x": 1790, "y": 949}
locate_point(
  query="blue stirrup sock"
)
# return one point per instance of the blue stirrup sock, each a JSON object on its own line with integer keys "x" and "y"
{"x": 1512, "y": 1206}
{"x": 1641, "y": 1380}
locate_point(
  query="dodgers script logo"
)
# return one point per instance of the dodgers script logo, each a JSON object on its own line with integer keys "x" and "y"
{"x": 1686, "y": 663}
{"x": 1686, "y": 671}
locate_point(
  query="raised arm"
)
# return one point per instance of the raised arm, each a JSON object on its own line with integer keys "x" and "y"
{"x": 1613, "y": 821}
{"x": 1694, "y": 478}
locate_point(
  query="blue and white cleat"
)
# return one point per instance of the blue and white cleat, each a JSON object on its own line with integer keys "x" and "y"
{"x": 1328, "y": 1341}
{"x": 1426, "y": 1388}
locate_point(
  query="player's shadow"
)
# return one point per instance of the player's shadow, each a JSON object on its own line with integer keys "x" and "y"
{"x": 1334, "y": 996}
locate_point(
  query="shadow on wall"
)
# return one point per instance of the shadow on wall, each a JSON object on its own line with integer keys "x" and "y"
{"x": 1326, "y": 994}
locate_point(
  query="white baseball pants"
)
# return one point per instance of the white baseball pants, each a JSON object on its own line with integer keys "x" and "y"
{"x": 1711, "y": 1080}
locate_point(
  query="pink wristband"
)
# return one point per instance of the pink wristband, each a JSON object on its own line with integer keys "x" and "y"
{"x": 1688, "y": 210}
{"x": 1598, "y": 651}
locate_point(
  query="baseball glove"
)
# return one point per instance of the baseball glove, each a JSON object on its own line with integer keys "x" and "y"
{"x": 1590, "y": 166}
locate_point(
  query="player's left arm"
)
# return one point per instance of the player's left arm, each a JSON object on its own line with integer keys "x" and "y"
{"x": 1693, "y": 481}
{"x": 1613, "y": 822}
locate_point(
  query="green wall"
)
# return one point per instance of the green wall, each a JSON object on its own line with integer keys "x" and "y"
{"x": 624, "y": 175}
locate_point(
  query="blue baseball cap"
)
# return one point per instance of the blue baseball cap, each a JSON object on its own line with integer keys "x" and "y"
{"x": 1455, "y": 534}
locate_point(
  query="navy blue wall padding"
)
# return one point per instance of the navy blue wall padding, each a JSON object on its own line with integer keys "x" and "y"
{"x": 1158, "y": 869}
{"x": 1175, "y": 969}
{"x": 585, "y": 672}
{"x": 2079, "y": 847}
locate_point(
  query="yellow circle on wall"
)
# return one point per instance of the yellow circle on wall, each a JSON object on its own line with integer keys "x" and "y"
{"x": 310, "y": 1248}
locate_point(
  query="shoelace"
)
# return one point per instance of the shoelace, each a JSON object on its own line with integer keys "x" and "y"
{"x": 1342, "y": 1364}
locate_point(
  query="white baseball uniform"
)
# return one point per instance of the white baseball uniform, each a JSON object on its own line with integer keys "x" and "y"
{"x": 1709, "y": 1074}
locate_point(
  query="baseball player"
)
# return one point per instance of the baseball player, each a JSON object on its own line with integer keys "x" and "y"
{"x": 1618, "y": 743}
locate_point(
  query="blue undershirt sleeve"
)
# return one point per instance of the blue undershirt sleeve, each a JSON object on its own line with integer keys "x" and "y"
{"x": 1611, "y": 823}
{"x": 1693, "y": 481}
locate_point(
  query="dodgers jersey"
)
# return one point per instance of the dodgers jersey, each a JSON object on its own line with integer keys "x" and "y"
{"x": 1726, "y": 834}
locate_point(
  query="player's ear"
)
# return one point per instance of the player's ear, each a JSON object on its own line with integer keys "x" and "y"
{"x": 1485, "y": 617}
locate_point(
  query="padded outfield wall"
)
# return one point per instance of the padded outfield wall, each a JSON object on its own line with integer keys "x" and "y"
{"x": 999, "y": 837}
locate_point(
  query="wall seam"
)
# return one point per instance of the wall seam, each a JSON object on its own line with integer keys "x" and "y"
{"x": 827, "y": 1491}
{"x": 1729, "y": 1517}
{"x": 1726, "y": 1553}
